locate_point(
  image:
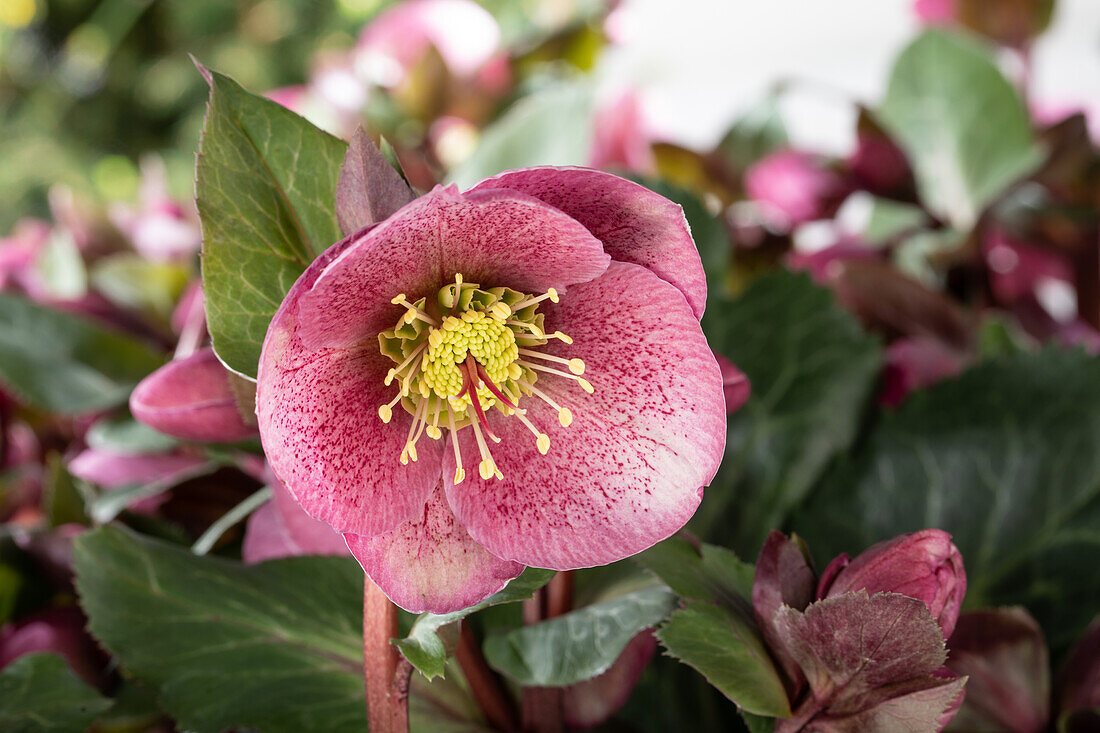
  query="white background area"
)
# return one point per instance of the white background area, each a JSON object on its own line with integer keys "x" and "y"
{"x": 699, "y": 63}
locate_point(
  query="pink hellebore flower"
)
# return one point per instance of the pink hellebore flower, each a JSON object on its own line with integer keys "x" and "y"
{"x": 621, "y": 137}
{"x": 935, "y": 12}
{"x": 55, "y": 631}
{"x": 924, "y": 565}
{"x": 420, "y": 388}
{"x": 466, "y": 36}
{"x": 735, "y": 384}
{"x": 793, "y": 187}
{"x": 280, "y": 528}
{"x": 191, "y": 399}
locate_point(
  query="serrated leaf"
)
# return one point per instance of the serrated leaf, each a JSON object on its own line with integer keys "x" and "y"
{"x": 266, "y": 190}
{"x": 552, "y": 126}
{"x": 40, "y": 694}
{"x": 960, "y": 122}
{"x": 725, "y": 648}
{"x": 1004, "y": 458}
{"x": 424, "y": 648}
{"x": 62, "y": 363}
{"x": 812, "y": 370}
{"x": 275, "y": 646}
{"x": 707, "y": 573}
{"x": 578, "y": 645}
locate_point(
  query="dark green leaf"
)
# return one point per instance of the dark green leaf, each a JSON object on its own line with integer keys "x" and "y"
{"x": 39, "y": 693}
{"x": 578, "y": 645}
{"x": 709, "y": 573}
{"x": 428, "y": 652}
{"x": 266, "y": 194}
{"x": 276, "y": 646}
{"x": 961, "y": 123}
{"x": 62, "y": 501}
{"x": 550, "y": 127}
{"x": 1004, "y": 458}
{"x": 66, "y": 364}
{"x": 811, "y": 369}
{"x": 726, "y": 649}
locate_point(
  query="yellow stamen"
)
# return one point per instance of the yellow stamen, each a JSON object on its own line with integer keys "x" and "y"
{"x": 575, "y": 365}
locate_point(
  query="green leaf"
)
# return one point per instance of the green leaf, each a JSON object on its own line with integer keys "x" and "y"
{"x": 424, "y": 648}
{"x": 811, "y": 369}
{"x": 890, "y": 219}
{"x": 706, "y": 573}
{"x": 964, "y": 128}
{"x": 266, "y": 195}
{"x": 127, "y": 435}
{"x": 275, "y": 646}
{"x": 39, "y": 693}
{"x": 759, "y": 131}
{"x": 132, "y": 281}
{"x": 62, "y": 363}
{"x": 1004, "y": 458}
{"x": 578, "y": 645}
{"x": 726, "y": 649}
{"x": 61, "y": 266}
{"x": 552, "y": 126}
{"x": 62, "y": 501}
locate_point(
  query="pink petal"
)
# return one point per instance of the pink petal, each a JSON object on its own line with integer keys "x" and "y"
{"x": 318, "y": 419}
{"x": 280, "y": 528}
{"x": 430, "y": 563}
{"x": 634, "y": 224}
{"x": 118, "y": 470}
{"x": 630, "y": 469}
{"x": 491, "y": 237}
{"x": 58, "y": 631}
{"x": 735, "y": 384}
{"x": 191, "y": 399}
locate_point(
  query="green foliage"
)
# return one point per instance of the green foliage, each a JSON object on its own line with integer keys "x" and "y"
{"x": 40, "y": 694}
{"x": 275, "y": 646}
{"x": 578, "y": 645}
{"x": 812, "y": 369}
{"x": 964, "y": 128}
{"x": 707, "y": 572}
{"x": 428, "y": 652}
{"x": 266, "y": 193}
{"x": 67, "y": 364}
{"x": 1004, "y": 458}
{"x": 550, "y": 127}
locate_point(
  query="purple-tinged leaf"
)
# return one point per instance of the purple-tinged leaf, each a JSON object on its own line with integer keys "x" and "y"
{"x": 369, "y": 189}
{"x": 851, "y": 644}
{"x": 784, "y": 577}
{"x": 1003, "y": 652}
{"x": 915, "y": 706}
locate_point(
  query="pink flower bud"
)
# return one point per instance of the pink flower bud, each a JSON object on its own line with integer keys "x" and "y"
{"x": 58, "y": 631}
{"x": 924, "y": 565}
{"x": 915, "y": 362}
{"x": 191, "y": 399}
{"x": 793, "y": 187}
{"x": 735, "y": 384}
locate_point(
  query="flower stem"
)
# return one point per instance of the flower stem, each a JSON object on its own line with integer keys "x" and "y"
{"x": 385, "y": 671}
{"x": 542, "y": 706}
{"x": 488, "y": 690}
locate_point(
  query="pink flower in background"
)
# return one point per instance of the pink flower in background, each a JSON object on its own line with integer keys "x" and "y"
{"x": 191, "y": 399}
{"x": 924, "y": 565}
{"x": 915, "y": 362}
{"x": 281, "y": 528}
{"x": 160, "y": 228}
{"x": 466, "y": 36}
{"x": 793, "y": 187}
{"x": 514, "y": 375}
{"x": 621, "y": 137}
{"x": 57, "y": 631}
{"x": 735, "y": 385}
{"x": 935, "y": 12}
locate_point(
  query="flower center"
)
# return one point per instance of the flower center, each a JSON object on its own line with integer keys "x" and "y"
{"x": 469, "y": 351}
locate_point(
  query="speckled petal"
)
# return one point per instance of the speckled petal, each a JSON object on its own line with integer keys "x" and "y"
{"x": 318, "y": 419}
{"x": 635, "y": 224}
{"x": 191, "y": 398}
{"x": 491, "y": 237}
{"x": 631, "y": 468}
{"x": 430, "y": 563}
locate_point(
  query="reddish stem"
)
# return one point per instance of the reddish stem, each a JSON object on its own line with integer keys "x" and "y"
{"x": 385, "y": 671}
{"x": 542, "y": 706}
{"x": 488, "y": 690}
